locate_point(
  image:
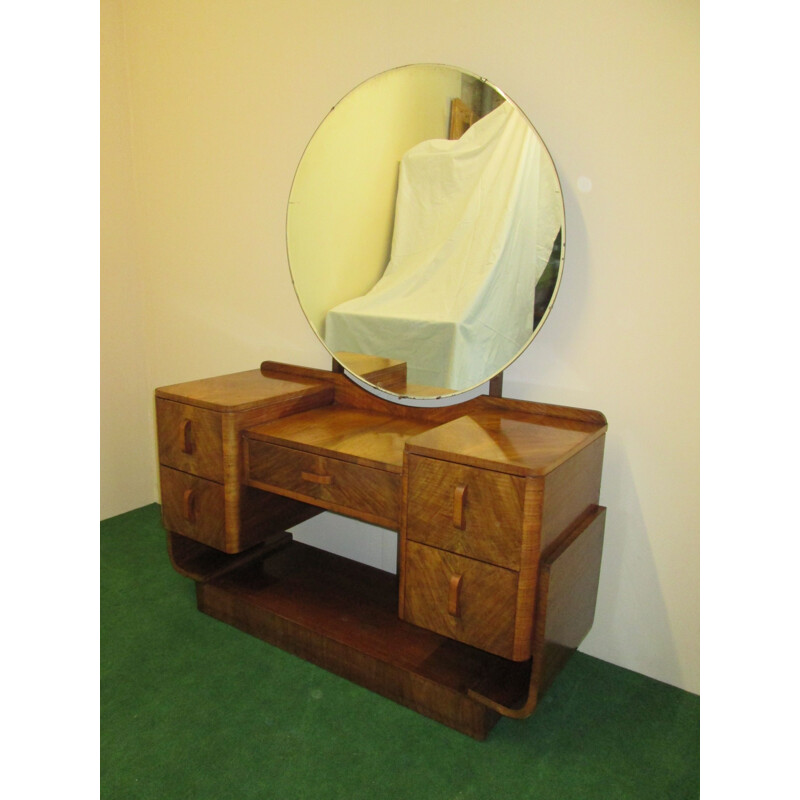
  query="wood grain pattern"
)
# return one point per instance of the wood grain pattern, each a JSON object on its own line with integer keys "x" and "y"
{"x": 510, "y": 442}
{"x": 239, "y": 391}
{"x": 342, "y": 616}
{"x": 261, "y": 513}
{"x": 492, "y": 510}
{"x": 485, "y": 599}
{"x": 369, "y": 494}
{"x": 568, "y": 583}
{"x": 204, "y": 458}
{"x": 348, "y": 393}
{"x": 199, "y": 433}
{"x": 206, "y": 523}
{"x": 567, "y": 593}
{"x": 363, "y": 437}
{"x": 530, "y": 552}
{"x": 504, "y": 405}
{"x": 570, "y": 489}
{"x": 243, "y": 509}
{"x": 495, "y": 500}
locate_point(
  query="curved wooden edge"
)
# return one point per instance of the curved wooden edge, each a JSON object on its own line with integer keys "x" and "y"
{"x": 587, "y": 415}
{"x": 201, "y": 563}
{"x": 514, "y": 713}
{"x": 568, "y": 574}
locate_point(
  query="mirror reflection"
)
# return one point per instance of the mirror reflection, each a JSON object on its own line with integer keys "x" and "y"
{"x": 425, "y": 231}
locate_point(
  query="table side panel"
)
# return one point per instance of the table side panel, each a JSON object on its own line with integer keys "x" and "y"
{"x": 570, "y": 490}
{"x": 567, "y": 595}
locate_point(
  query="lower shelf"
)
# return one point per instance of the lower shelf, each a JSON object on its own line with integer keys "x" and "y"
{"x": 342, "y": 616}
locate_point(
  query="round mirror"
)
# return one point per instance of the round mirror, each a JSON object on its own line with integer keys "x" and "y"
{"x": 425, "y": 231}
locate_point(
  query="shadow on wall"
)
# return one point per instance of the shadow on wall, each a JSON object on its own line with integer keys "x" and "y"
{"x": 631, "y": 615}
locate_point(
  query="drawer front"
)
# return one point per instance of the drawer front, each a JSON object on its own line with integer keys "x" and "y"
{"x": 363, "y": 492}
{"x": 474, "y": 512}
{"x": 193, "y": 507}
{"x": 463, "y": 599}
{"x": 190, "y": 439}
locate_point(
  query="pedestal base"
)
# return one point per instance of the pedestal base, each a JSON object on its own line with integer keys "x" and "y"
{"x": 342, "y": 616}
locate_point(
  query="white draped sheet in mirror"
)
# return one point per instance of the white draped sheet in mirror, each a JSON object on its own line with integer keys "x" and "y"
{"x": 462, "y": 274}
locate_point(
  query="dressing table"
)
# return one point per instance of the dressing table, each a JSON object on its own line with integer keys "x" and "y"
{"x": 495, "y": 502}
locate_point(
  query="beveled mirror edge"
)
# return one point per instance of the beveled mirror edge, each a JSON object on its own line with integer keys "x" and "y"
{"x": 483, "y": 387}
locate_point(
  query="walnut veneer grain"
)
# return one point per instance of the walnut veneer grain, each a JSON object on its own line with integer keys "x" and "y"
{"x": 468, "y": 600}
{"x": 490, "y": 503}
{"x": 495, "y": 501}
{"x": 372, "y": 495}
{"x": 199, "y": 426}
{"x": 342, "y": 616}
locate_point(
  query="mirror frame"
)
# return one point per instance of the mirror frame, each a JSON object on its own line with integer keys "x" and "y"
{"x": 492, "y": 381}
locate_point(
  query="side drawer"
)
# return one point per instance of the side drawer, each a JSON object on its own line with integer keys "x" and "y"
{"x": 193, "y": 507}
{"x": 474, "y": 512}
{"x": 369, "y": 494}
{"x": 463, "y": 599}
{"x": 190, "y": 439}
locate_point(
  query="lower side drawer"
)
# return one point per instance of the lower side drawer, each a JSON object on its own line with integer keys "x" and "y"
{"x": 193, "y": 507}
{"x": 461, "y": 598}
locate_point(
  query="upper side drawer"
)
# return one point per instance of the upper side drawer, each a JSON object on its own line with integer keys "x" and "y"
{"x": 190, "y": 439}
{"x": 474, "y": 512}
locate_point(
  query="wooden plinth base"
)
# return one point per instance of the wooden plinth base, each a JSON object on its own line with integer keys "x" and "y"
{"x": 342, "y": 616}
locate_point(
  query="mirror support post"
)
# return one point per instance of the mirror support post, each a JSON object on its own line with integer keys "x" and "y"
{"x": 496, "y": 385}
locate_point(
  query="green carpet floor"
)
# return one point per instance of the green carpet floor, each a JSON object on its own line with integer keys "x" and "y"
{"x": 192, "y": 708}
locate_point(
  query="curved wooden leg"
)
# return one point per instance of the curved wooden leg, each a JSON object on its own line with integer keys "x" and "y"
{"x": 569, "y": 573}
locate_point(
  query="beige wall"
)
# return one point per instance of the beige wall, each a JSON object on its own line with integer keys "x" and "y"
{"x": 205, "y": 129}
{"x": 128, "y": 470}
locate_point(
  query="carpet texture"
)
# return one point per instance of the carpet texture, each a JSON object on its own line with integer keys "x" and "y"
{"x": 192, "y": 708}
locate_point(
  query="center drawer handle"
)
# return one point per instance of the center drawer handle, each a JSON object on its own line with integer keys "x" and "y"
{"x": 324, "y": 480}
{"x": 187, "y": 445}
{"x": 459, "y": 503}
{"x": 454, "y": 596}
{"x": 189, "y": 505}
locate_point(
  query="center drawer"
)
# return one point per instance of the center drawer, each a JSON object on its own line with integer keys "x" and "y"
{"x": 363, "y": 492}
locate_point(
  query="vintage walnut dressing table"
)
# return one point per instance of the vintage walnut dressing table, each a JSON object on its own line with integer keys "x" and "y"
{"x": 495, "y": 500}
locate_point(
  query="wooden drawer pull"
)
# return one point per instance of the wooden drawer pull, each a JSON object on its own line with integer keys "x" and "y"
{"x": 459, "y": 504}
{"x": 189, "y": 505}
{"x": 187, "y": 444}
{"x": 324, "y": 480}
{"x": 454, "y": 596}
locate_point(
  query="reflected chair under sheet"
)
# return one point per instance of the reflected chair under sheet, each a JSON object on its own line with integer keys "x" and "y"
{"x": 475, "y": 223}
